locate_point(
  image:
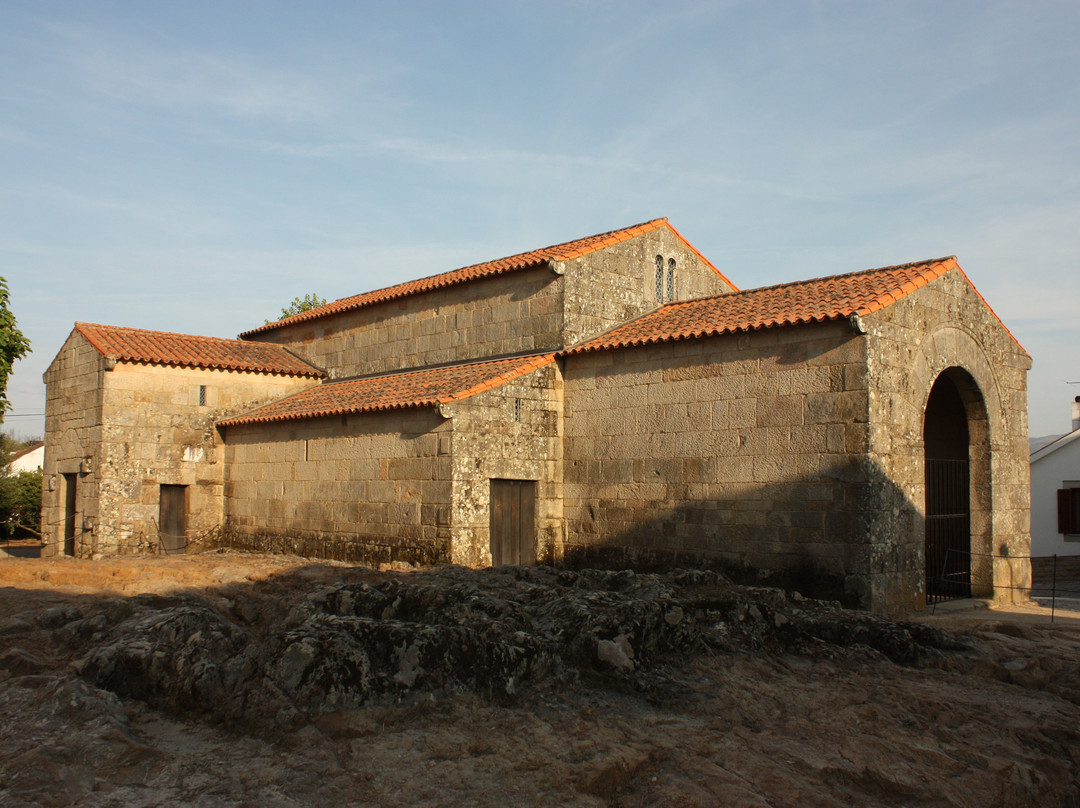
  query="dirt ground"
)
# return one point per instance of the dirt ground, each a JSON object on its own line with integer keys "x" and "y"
{"x": 987, "y": 714}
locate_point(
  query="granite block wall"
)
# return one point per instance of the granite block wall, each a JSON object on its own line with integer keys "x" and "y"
{"x": 375, "y": 487}
{"x": 747, "y": 448}
{"x": 505, "y": 314}
{"x": 511, "y": 432}
{"x": 947, "y": 328}
{"x": 124, "y": 429}
{"x": 74, "y": 429}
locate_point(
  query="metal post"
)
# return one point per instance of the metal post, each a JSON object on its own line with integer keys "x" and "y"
{"x": 941, "y": 580}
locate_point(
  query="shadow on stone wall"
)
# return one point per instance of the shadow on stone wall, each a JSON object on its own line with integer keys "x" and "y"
{"x": 804, "y": 575}
{"x": 361, "y": 550}
{"x": 848, "y": 533}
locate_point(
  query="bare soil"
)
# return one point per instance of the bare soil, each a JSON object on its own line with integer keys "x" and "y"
{"x": 216, "y": 680}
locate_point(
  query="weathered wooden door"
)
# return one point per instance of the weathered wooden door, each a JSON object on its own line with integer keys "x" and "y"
{"x": 172, "y": 518}
{"x": 70, "y": 483}
{"x": 513, "y": 522}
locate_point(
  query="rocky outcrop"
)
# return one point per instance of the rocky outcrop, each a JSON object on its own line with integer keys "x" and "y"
{"x": 450, "y": 631}
{"x": 356, "y": 687}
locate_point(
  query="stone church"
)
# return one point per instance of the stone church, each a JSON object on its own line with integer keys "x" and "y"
{"x": 610, "y": 400}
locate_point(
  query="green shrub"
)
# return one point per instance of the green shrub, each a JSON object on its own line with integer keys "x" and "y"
{"x": 20, "y": 503}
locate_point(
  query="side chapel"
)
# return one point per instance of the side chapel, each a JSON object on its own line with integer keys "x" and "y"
{"x": 611, "y": 400}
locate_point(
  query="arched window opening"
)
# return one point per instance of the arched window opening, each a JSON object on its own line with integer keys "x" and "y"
{"x": 659, "y": 279}
{"x": 948, "y": 504}
{"x": 671, "y": 280}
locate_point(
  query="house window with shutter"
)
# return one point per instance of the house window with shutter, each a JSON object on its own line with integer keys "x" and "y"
{"x": 1069, "y": 508}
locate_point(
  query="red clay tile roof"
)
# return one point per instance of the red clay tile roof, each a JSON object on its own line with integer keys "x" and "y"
{"x": 832, "y": 298}
{"x": 419, "y": 388}
{"x": 185, "y": 350}
{"x": 525, "y": 260}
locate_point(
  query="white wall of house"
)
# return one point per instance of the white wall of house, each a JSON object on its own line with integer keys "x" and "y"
{"x": 30, "y": 461}
{"x": 1053, "y": 467}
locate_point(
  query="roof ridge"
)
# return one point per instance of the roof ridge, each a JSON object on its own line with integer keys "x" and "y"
{"x": 889, "y": 296}
{"x": 169, "y": 348}
{"x": 1057, "y": 443}
{"x": 34, "y": 445}
{"x": 636, "y": 229}
{"x": 497, "y": 266}
{"x": 80, "y": 325}
{"x": 807, "y": 281}
{"x": 831, "y": 297}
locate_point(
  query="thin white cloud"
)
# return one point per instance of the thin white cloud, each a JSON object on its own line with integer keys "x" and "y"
{"x": 160, "y": 174}
{"x": 101, "y": 217}
{"x": 174, "y": 76}
{"x": 12, "y": 136}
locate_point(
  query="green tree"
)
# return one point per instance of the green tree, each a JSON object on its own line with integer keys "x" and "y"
{"x": 13, "y": 345}
{"x": 299, "y": 305}
{"x": 20, "y": 502}
{"x": 20, "y": 494}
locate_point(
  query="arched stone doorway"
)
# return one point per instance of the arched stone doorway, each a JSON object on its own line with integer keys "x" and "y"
{"x": 957, "y": 469}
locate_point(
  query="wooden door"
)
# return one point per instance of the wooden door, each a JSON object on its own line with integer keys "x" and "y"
{"x": 172, "y": 519}
{"x": 70, "y": 483}
{"x": 513, "y": 522}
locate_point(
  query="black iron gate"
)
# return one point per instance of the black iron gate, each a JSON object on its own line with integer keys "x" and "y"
{"x": 948, "y": 530}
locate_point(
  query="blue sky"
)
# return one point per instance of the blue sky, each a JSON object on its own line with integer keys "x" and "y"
{"x": 194, "y": 166}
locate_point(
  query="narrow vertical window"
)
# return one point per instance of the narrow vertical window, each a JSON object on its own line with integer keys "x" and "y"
{"x": 517, "y": 409}
{"x": 202, "y": 395}
{"x": 659, "y": 279}
{"x": 671, "y": 279}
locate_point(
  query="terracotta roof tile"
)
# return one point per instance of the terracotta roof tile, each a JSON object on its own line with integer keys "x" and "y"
{"x": 185, "y": 350}
{"x": 419, "y": 388}
{"x": 818, "y": 300}
{"x": 525, "y": 260}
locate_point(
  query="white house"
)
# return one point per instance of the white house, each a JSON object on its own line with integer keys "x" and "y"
{"x": 29, "y": 459}
{"x": 1055, "y": 494}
